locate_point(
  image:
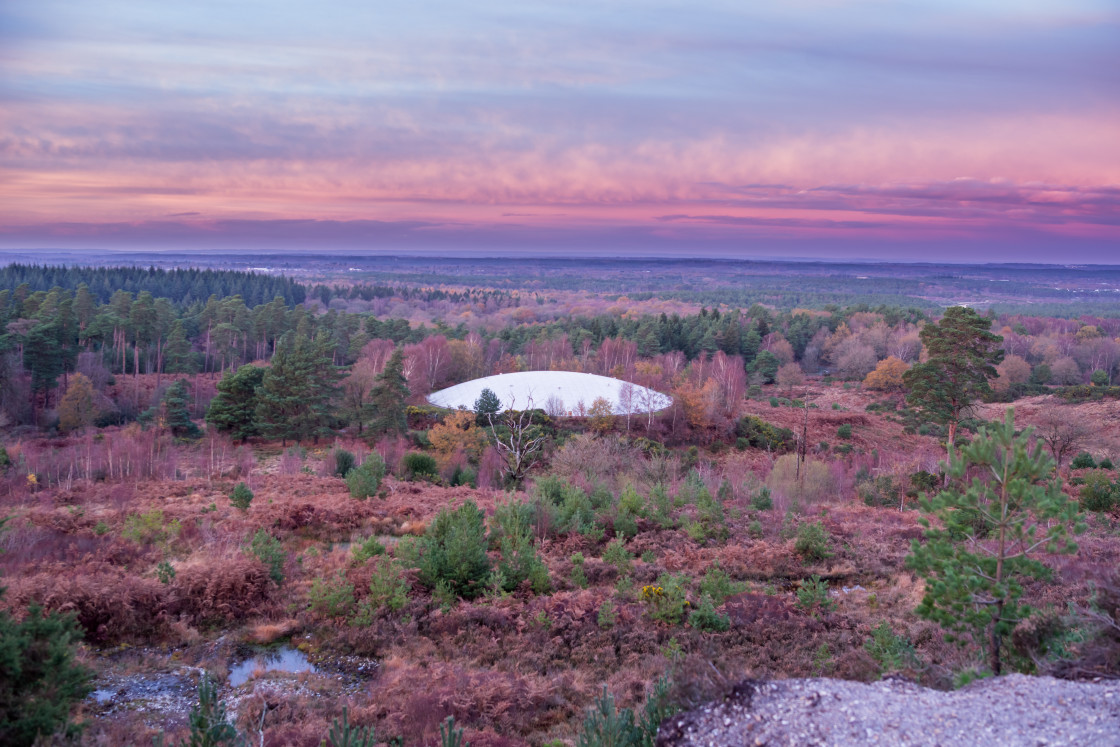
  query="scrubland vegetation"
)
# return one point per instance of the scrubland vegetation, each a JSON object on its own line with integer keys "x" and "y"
{"x": 187, "y": 482}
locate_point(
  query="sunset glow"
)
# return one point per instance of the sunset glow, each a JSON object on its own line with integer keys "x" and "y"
{"x": 980, "y": 131}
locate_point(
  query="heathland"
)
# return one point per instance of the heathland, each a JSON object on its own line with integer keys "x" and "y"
{"x": 205, "y": 469}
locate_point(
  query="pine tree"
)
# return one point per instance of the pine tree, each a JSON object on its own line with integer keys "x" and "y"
{"x": 989, "y": 535}
{"x": 77, "y": 409}
{"x": 39, "y": 679}
{"x": 487, "y": 407}
{"x": 234, "y": 408}
{"x": 387, "y": 400}
{"x": 177, "y": 353}
{"x": 963, "y": 354}
{"x": 296, "y": 396}
{"x": 176, "y": 411}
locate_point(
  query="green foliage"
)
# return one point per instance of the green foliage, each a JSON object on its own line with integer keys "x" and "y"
{"x": 607, "y": 616}
{"x": 812, "y": 596}
{"x": 296, "y": 396}
{"x": 775, "y": 402}
{"x": 1099, "y": 378}
{"x": 718, "y": 585}
{"x": 449, "y": 736}
{"x": 578, "y": 577}
{"x": 487, "y": 406}
{"x": 5, "y": 460}
{"x": 606, "y": 725}
{"x": 1099, "y": 492}
{"x": 388, "y": 397}
{"x": 761, "y": 499}
{"x": 755, "y": 529}
{"x": 39, "y": 679}
{"x": 419, "y": 466}
{"x": 368, "y": 548}
{"x": 963, "y": 354}
{"x": 176, "y": 411}
{"x": 844, "y": 431}
{"x": 208, "y": 722}
{"x": 880, "y": 491}
{"x": 1105, "y": 463}
{"x": 331, "y": 597}
{"x": 617, "y": 555}
{"x": 762, "y": 435}
{"x": 706, "y": 618}
{"x": 388, "y": 590}
{"x": 1013, "y": 497}
{"x": 165, "y": 572}
{"x": 667, "y": 600}
{"x": 710, "y": 522}
{"x": 343, "y": 462}
{"x": 813, "y": 542}
{"x": 893, "y": 652}
{"x": 344, "y": 735}
{"x": 520, "y": 561}
{"x": 234, "y": 408}
{"x": 150, "y": 527}
{"x": 1083, "y": 460}
{"x": 453, "y": 551}
{"x": 269, "y": 551}
{"x": 365, "y": 480}
{"x": 241, "y": 496}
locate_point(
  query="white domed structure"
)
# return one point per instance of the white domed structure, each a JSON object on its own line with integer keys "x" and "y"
{"x": 558, "y": 393}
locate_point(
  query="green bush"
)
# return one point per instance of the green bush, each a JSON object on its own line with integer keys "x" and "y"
{"x": 343, "y": 463}
{"x": 418, "y": 466}
{"x": 269, "y": 551}
{"x": 1084, "y": 460}
{"x": 881, "y": 491}
{"x": 763, "y": 435}
{"x": 775, "y": 402}
{"x": 762, "y": 500}
{"x": 365, "y": 480}
{"x": 5, "y": 460}
{"x": 617, "y": 555}
{"x": 520, "y": 562}
{"x": 366, "y": 549}
{"x": 667, "y": 600}
{"x": 1099, "y": 492}
{"x": 813, "y": 542}
{"x": 39, "y": 678}
{"x": 844, "y": 431}
{"x": 1105, "y": 463}
{"x": 333, "y": 597}
{"x": 606, "y": 725}
{"x": 388, "y": 589}
{"x": 893, "y": 652}
{"x": 453, "y": 551}
{"x": 813, "y": 596}
{"x": 579, "y": 576}
{"x": 150, "y": 527}
{"x": 706, "y": 618}
{"x": 607, "y": 615}
{"x": 241, "y": 496}
{"x": 717, "y": 585}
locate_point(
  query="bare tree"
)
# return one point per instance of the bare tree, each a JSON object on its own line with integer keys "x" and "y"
{"x": 626, "y": 400}
{"x": 518, "y": 439}
{"x": 1061, "y": 432}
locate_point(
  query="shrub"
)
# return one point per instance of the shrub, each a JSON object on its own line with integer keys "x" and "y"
{"x": 5, "y": 460}
{"x": 344, "y": 735}
{"x": 761, "y": 500}
{"x": 608, "y": 726}
{"x": 893, "y": 652}
{"x": 813, "y": 596}
{"x": 241, "y": 496}
{"x": 419, "y": 466}
{"x": 388, "y": 589}
{"x": 165, "y": 573}
{"x": 812, "y": 542}
{"x": 881, "y": 491}
{"x": 39, "y": 678}
{"x": 520, "y": 562}
{"x": 365, "y": 480}
{"x": 209, "y": 724}
{"x": 343, "y": 463}
{"x": 1099, "y": 493}
{"x": 150, "y": 527}
{"x": 453, "y": 551}
{"x": 774, "y": 402}
{"x": 332, "y": 597}
{"x": 617, "y": 555}
{"x": 717, "y": 585}
{"x": 269, "y": 551}
{"x": 607, "y": 615}
{"x": 763, "y": 435}
{"x": 666, "y": 599}
{"x": 706, "y": 618}
{"x": 815, "y": 482}
{"x": 368, "y": 548}
{"x": 1105, "y": 463}
{"x": 755, "y": 529}
{"x": 844, "y": 431}
{"x": 1084, "y": 460}
{"x": 579, "y": 576}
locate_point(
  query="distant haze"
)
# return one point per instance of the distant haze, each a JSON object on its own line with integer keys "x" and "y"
{"x": 931, "y": 130}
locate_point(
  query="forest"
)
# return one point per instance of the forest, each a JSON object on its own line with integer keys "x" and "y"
{"x": 230, "y": 513}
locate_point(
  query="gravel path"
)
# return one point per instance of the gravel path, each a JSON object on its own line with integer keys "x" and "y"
{"x": 1010, "y": 710}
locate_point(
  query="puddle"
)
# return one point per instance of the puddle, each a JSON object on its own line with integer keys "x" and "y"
{"x": 283, "y": 659}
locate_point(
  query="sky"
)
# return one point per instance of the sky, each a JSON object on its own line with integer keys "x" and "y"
{"x": 978, "y": 130}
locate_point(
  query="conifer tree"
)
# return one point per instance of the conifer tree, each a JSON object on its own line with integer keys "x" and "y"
{"x": 297, "y": 392}
{"x": 178, "y": 354}
{"x": 176, "y": 411}
{"x": 387, "y": 400}
{"x": 234, "y": 408}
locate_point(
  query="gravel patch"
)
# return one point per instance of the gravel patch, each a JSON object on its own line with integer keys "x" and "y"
{"x": 1012, "y": 710}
